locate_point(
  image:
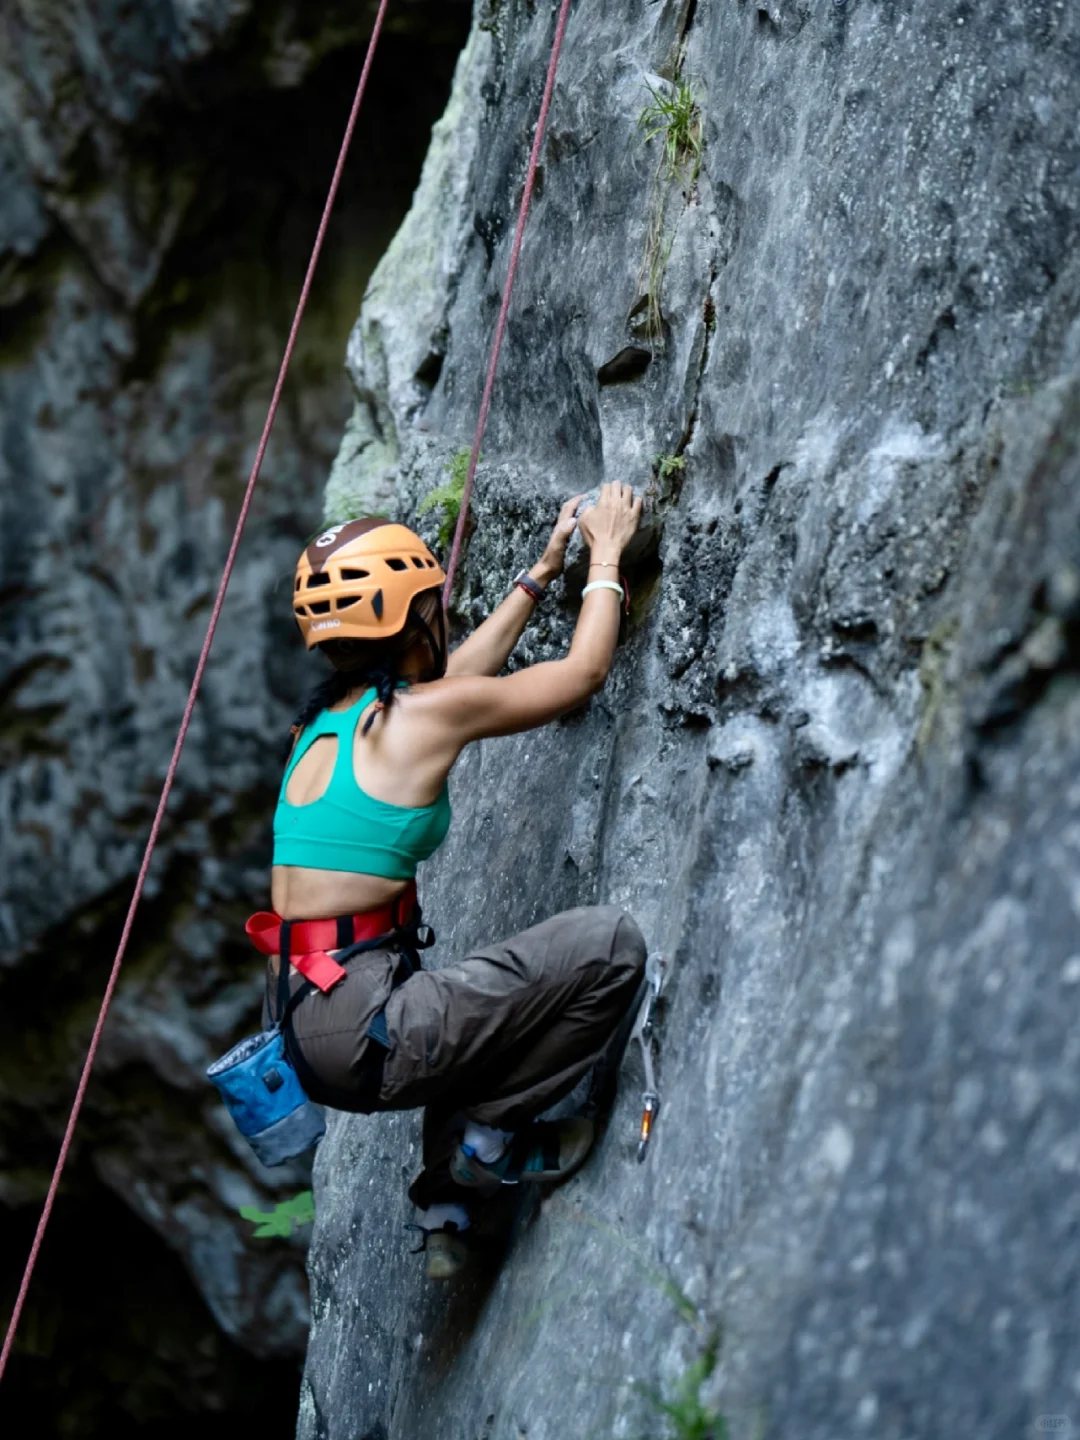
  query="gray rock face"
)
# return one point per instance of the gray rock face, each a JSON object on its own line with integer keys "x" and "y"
{"x": 162, "y": 170}
{"x": 834, "y": 773}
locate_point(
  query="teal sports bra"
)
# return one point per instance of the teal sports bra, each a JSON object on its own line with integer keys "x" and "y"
{"x": 346, "y": 828}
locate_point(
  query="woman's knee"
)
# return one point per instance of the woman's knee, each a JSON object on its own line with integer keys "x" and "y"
{"x": 627, "y": 947}
{"x": 578, "y": 938}
{"x": 630, "y": 945}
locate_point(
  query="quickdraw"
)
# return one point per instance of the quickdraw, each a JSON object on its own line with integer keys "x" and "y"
{"x": 645, "y": 1035}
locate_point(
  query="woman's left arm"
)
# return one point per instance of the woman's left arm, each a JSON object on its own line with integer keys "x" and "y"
{"x": 488, "y": 648}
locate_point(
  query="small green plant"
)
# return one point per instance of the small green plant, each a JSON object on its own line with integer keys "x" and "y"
{"x": 448, "y": 496}
{"x": 284, "y": 1219}
{"x": 676, "y": 117}
{"x": 667, "y": 465}
{"x": 666, "y": 481}
{"x": 689, "y": 1417}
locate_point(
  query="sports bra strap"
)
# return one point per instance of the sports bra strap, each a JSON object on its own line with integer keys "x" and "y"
{"x": 328, "y": 722}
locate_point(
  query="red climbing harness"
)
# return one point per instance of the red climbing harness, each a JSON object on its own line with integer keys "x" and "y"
{"x": 309, "y": 940}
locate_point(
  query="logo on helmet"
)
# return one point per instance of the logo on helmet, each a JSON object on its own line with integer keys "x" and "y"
{"x": 327, "y": 625}
{"x": 329, "y": 536}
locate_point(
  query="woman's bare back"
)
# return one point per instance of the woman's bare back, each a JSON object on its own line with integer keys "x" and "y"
{"x": 387, "y": 765}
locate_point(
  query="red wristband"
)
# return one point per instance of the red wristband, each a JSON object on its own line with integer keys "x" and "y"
{"x": 532, "y": 588}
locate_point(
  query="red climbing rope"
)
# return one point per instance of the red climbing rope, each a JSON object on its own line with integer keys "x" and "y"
{"x": 500, "y": 328}
{"x": 155, "y": 828}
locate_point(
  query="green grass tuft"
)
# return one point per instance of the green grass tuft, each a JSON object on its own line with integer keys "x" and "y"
{"x": 687, "y": 1414}
{"x": 675, "y": 117}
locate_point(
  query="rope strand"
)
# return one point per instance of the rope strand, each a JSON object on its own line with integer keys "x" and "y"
{"x": 500, "y": 328}
{"x": 155, "y": 828}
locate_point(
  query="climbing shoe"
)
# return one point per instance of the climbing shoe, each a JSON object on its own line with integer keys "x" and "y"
{"x": 544, "y": 1153}
{"x": 446, "y": 1249}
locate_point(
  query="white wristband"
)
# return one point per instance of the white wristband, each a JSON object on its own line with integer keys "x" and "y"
{"x": 603, "y": 585}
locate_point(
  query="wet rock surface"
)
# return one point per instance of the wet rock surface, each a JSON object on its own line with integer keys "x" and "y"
{"x": 162, "y": 171}
{"x": 834, "y": 771}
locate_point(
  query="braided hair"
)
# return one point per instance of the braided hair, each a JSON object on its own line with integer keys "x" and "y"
{"x": 376, "y": 663}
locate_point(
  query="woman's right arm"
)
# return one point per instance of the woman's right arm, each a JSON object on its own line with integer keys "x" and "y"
{"x": 473, "y": 707}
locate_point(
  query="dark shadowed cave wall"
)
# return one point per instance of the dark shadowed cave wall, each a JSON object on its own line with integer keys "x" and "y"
{"x": 162, "y": 171}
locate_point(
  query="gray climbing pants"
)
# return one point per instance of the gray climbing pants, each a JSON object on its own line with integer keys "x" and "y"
{"x": 497, "y": 1037}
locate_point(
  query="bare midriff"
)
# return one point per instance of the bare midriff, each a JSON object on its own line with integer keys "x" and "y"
{"x": 301, "y": 894}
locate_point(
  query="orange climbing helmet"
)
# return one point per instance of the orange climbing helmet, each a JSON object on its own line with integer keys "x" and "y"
{"x": 356, "y": 581}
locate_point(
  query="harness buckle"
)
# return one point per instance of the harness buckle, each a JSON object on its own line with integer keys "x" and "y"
{"x": 321, "y": 969}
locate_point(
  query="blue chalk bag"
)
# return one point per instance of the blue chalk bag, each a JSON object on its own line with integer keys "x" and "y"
{"x": 263, "y": 1094}
{"x": 260, "y": 1086}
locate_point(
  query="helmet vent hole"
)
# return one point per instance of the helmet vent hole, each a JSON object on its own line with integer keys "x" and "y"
{"x": 418, "y": 562}
{"x": 355, "y": 574}
{"x": 320, "y": 607}
{"x": 301, "y": 609}
{"x": 319, "y": 579}
{"x": 396, "y": 564}
{"x": 299, "y": 582}
{"x": 346, "y": 604}
{"x": 432, "y": 564}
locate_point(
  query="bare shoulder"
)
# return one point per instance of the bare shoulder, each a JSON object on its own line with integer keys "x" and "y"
{"x": 451, "y": 695}
{"x": 469, "y": 707}
{"x": 437, "y": 718}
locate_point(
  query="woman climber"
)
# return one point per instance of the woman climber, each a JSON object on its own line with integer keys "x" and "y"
{"x": 488, "y": 1043}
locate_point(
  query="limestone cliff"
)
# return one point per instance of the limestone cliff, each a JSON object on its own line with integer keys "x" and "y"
{"x": 835, "y": 772}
